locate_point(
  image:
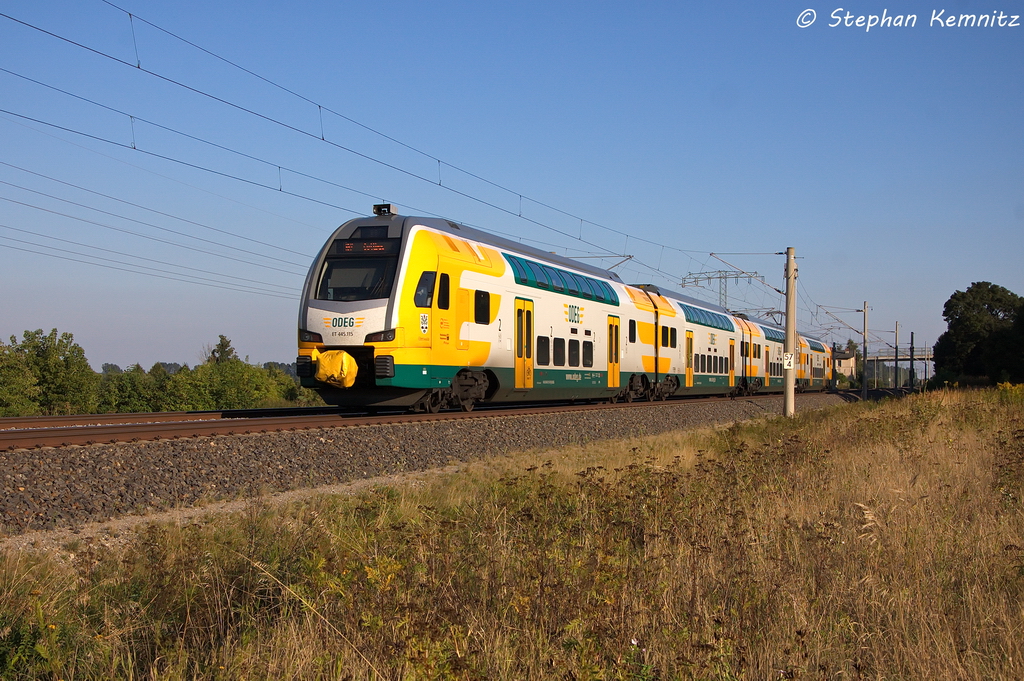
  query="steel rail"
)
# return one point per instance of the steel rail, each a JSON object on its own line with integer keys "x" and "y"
{"x": 101, "y": 429}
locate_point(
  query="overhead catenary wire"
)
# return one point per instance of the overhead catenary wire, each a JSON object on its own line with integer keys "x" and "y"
{"x": 367, "y": 157}
{"x": 279, "y": 167}
{"x": 158, "y": 212}
{"x": 150, "y": 171}
{"x": 321, "y": 137}
{"x": 236, "y": 177}
{"x": 146, "y": 273}
{"x": 149, "y": 224}
{"x": 322, "y": 107}
{"x": 143, "y": 236}
{"x": 164, "y": 263}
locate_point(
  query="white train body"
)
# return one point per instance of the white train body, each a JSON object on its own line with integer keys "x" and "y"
{"x": 427, "y": 313}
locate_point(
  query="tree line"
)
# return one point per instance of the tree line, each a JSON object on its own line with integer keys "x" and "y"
{"x": 48, "y": 374}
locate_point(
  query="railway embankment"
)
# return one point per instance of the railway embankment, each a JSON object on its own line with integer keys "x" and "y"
{"x": 65, "y": 487}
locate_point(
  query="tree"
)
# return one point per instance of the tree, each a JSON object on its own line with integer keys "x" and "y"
{"x": 128, "y": 392}
{"x": 18, "y": 389}
{"x": 974, "y": 318}
{"x": 67, "y": 383}
{"x": 222, "y": 352}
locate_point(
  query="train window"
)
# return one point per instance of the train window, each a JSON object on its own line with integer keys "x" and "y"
{"x": 529, "y": 334}
{"x": 556, "y": 279}
{"x": 574, "y": 352}
{"x": 572, "y": 282}
{"x": 632, "y": 331}
{"x": 588, "y": 353}
{"x": 664, "y": 336}
{"x": 443, "y": 293}
{"x": 517, "y": 267}
{"x": 559, "y": 352}
{"x": 543, "y": 350}
{"x": 586, "y": 287}
{"x": 519, "y": 333}
{"x": 673, "y": 339}
{"x": 539, "y": 274}
{"x": 424, "y": 295}
{"x": 357, "y": 278}
{"x": 702, "y": 363}
{"x": 482, "y": 307}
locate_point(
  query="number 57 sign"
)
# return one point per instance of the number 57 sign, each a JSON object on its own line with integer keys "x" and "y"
{"x": 787, "y": 360}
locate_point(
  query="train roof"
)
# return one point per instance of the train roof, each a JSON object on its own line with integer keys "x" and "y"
{"x": 674, "y": 295}
{"x": 387, "y": 215}
{"x": 456, "y": 229}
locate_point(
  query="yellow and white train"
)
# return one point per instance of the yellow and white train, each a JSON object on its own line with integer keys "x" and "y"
{"x": 426, "y": 313}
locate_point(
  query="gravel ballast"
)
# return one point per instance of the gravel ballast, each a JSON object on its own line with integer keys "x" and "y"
{"x": 65, "y": 487}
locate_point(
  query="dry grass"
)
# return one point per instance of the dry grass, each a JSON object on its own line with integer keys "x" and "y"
{"x": 869, "y": 541}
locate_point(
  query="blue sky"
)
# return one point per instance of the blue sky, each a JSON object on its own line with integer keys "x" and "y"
{"x": 891, "y": 159}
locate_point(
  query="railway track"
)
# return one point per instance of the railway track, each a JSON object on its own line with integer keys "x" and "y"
{"x": 65, "y": 431}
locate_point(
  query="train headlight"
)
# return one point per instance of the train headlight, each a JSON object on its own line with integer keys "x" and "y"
{"x": 309, "y": 337}
{"x": 380, "y": 337}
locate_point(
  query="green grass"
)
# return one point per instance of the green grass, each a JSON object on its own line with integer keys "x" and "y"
{"x": 866, "y": 541}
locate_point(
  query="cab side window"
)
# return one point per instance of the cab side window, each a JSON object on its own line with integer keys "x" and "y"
{"x": 443, "y": 293}
{"x": 424, "y": 295}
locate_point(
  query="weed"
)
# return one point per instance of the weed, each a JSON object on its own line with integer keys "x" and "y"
{"x": 866, "y": 541}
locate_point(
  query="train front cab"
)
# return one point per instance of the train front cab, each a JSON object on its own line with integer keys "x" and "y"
{"x": 347, "y": 306}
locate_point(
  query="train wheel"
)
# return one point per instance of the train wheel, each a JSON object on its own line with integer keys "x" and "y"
{"x": 613, "y": 399}
{"x": 433, "y": 402}
{"x": 468, "y": 404}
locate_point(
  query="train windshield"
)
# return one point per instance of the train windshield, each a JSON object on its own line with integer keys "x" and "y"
{"x": 359, "y": 269}
{"x": 357, "y": 278}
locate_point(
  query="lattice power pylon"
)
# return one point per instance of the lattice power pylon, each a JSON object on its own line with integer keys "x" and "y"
{"x": 723, "y": 277}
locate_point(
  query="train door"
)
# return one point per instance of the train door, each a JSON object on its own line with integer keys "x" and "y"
{"x": 524, "y": 344}
{"x": 767, "y": 366}
{"x": 689, "y": 359}
{"x": 732, "y": 362}
{"x": 613, "y": 352}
